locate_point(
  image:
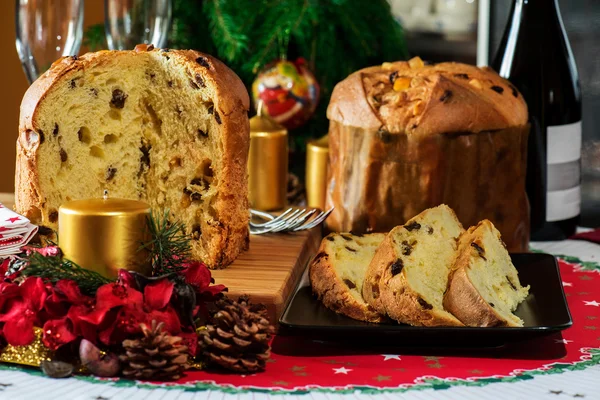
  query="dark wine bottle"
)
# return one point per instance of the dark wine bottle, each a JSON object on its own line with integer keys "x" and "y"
{"x": 535, "y": 56}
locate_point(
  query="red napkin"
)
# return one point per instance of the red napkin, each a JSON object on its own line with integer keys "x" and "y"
{"x": 591, "y": 236}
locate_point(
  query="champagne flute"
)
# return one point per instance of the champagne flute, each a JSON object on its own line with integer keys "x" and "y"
{"x": 46, "y": 31}
{"x": 130, "y": 22}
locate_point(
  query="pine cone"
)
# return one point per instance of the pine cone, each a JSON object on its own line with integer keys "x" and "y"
{"x": 237, "y": 336}
{"x": 157, "y": 355}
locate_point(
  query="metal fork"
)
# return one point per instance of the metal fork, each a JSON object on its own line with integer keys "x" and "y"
{"x": 289, "y": 221}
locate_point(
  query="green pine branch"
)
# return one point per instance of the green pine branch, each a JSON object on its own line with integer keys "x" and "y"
{"x": 55, "y": 269}
{"x": 169, "y": 246}
{"x": 226, "y": 30}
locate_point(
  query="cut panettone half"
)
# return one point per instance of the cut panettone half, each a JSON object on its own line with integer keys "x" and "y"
{"x": 169, "y": 127}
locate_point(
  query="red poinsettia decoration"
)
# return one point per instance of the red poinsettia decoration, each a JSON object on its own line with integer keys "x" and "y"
{"x": 112, "y": 315}
{"x": 19, "y": 309}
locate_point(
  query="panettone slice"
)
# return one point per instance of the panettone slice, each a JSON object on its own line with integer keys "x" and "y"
{"x": 408, "y": 275}
{"x": 169, "y": 127}
{"x": 484, "y": 287}
{"x": 338, "y": 270}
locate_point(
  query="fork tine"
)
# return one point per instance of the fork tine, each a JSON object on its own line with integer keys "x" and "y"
{"x": 316, "y": 221}
{"x": 301, "y": 219}
{"x": 292, "y": 222}
{"x": 267, "y": 215}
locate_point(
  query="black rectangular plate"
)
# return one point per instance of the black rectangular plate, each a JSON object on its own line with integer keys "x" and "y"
{"x": 543, "y": 312}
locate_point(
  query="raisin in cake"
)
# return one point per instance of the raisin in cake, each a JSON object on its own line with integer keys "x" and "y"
{"x": 338, "y": 270}
{"x": 166, "y": 126}
{"x": 484, "y": 287}
{"x": 409, "y": 273}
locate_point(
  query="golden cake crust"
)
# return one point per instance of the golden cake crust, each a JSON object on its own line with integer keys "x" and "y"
{"x": 437, "y": 101}
{"x": 333, "y": 292}
{"x": 231, "y": 101}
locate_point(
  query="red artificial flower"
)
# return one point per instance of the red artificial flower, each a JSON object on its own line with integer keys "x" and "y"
{"x": 22, "y": 311}
{"x": 63, "y": 295}
{"x": 57, "y": 332}
{"x": 157, "y": 295}
{"x": 110, "y": 296}
{"x": 190, "y": 339}
{"x": 120, "y": 309}
{"x": 126, "y": 278}
{"x": 4, "y": 267}
{"x": 198, "y": 275}
{"x": 7, "y": 291}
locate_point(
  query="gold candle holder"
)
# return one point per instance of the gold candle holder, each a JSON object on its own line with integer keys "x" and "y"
{"x": 105, "y": 235}
{"x": 317, "y": 164}
{"x": 267, "y": 163}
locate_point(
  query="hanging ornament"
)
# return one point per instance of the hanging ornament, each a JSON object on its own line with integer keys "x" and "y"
{"x": 288, "y": 90}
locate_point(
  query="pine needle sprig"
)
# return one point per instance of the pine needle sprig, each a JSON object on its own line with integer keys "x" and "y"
{"x": 226, "y": 29}
{"x": 169, "y": 246}
{"x": 55, "y": 269}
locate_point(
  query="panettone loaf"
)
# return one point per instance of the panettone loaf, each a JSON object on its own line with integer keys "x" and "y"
{"x": 408, "y": 275}
{"x": 484, "y": 287}
{"x": 405, "y": 137}
{"x": 338, "y": 271}
{"x": 165, "y": 126}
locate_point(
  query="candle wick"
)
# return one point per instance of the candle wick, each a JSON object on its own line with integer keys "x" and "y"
{"x": 105, "y": 194}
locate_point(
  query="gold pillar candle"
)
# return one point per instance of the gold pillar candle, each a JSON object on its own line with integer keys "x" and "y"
{"x": 267, "y": 164}
{"x": 105, "y": 234}
{"x": 317, "y": 162}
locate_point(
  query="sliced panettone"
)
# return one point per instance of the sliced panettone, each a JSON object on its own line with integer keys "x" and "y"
{"x": 338, "y": 270}
{"x": 484, "y": 287}
{"x": 409, "y": 273}
{"x": 169, "y": 127}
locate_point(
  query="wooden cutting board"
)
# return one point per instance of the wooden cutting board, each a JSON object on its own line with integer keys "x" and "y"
{"x": 267, "y": 272}
{"x": 270, "y": 269}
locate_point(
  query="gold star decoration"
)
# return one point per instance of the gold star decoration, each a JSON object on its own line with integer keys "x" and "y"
{"x": 432, "y": 358}
{"x": 436, "y": 365}
{"x": 281, "y": 383}
{"x": 297, "y": 368}
{"x": 591, "y": 328}
{"x": 476, "y": 371}
{"x": 380, "y": 378}
{"x": 591, "y": 317}
{"x": 585, "y": 278}
{"x": 32, "y": 355}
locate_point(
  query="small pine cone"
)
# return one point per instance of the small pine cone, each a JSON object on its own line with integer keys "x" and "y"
{"x": 237, "y": 336}
{"x": 157, "y": 355}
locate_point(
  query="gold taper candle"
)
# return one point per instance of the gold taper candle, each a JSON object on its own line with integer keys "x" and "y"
{"x": 267, "y": 163}
{"x": 105, "y": 234}
{"x": 317, "y": 161}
